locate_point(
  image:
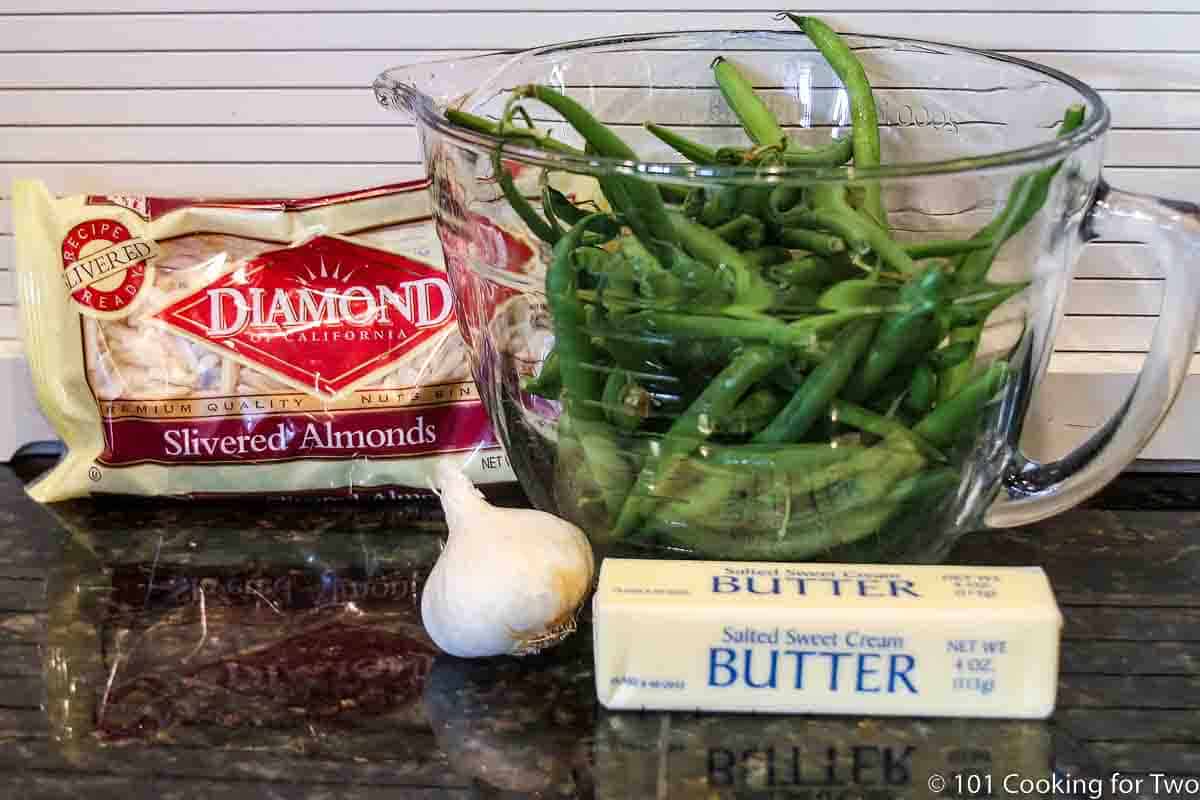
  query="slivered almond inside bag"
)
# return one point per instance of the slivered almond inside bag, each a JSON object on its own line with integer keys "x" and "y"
{"x": 281, "y": 347}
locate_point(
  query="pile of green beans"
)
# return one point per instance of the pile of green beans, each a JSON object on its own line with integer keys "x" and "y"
{"x": 759, "y": 370}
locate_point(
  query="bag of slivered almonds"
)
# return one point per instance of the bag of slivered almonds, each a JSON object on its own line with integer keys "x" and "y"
{"x": 199, "y": 348}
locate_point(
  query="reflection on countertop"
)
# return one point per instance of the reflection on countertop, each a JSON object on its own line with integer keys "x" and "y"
{"x": 177, "y": 630}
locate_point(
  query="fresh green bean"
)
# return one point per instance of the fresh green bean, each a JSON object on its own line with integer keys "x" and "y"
{"x": 562, "y": 208}
{"x": 767, "y": 256}
{"x": 549, "y": 232}
{"x": 603, "y": 141}
{"x": 484, "y": 125}
{"x": 753, "y": 113}
{"x": 864, "y": 117}
{"x": 751, "y": 292}
{"x": 942, "y": 426}
{"x": 970, "y": 312}
{"x": 704, "y": 339}
{"x": 877, "y": 483}
{"x": 826, "y": 324}
{"x": 692, "y": 151}
{"x": 834, "y": 154}
{"x": 815, "y": 487}
{"x": 795, "y": 302}
{"x": 642, "y": 208}
{"x": 925, "y": 340}
{"x": 888, "y": 397}
{"x": 819, "y": 388}
{"x": 926, "y": 487}
{"x": 1026, "y": 198}
{"x": 941, "y": 248}
{"x": 655, "y": 284}
{"x": 814, "y": 241}
{"x": 950, "y": 355}
{"x": 721, "y": 207}
{"x": 923, "y": 488}
{"x": 765, "y": 329}
{"x": 858, "y": 483}
{"x": 1072, "y": 119}
{"x": 904, "y": 334}
{"x": 702, "y": 284}
{"x": 625, "y": 402}
{"x": 614, "y": 276}
{"x": 783, "y": 198}
{"x": 639, "y": 201}
{"x": 691, "y": 428}
{"x": 831, "y": 212}
{"x": 703, "y": 244}
{"x": 539, "y": 227}
{"x": 753, "y": 200}
{"x": 922, "y": 390}
{"x": 857, "y": 293}
{"x": 642, "y": 351}
{"x": 793, "y": 458}
{"x": 549, "y": 211}
{"x": 472, "y": 122}
{"x": 548, "y": 382}
{"x": 608, "y": 466}
{"x": 752, "y": 414}
{"x": 730, "y": 470}
{"x": 732, "y": 156}
{"x": 868, "y": 421}
{"x": 581, "y": 383}
{"x": 791, "y": 374}
{"x": 974, "y": 307}
{"x": 743, "y": 230}
{"x": 811, "y": 271}
{"x": 918, "y": 501}
{"x": 912, "y": 505}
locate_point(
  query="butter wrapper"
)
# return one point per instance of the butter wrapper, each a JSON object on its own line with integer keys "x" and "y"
{"x": 937, "y": 641}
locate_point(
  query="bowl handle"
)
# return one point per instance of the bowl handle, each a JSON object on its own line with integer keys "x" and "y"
{"x": 1172, "y": 229}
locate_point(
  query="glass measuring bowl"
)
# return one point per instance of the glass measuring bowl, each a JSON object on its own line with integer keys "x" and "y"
{"x": 959, "y": 128}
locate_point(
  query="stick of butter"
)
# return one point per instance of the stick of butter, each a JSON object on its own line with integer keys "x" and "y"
{"x": 936, "y": 641}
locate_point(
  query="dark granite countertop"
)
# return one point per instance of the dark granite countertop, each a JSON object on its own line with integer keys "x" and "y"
{"x": 240, "y": 651}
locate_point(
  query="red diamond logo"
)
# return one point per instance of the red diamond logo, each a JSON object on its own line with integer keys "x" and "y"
{"x": 324, "y": 316}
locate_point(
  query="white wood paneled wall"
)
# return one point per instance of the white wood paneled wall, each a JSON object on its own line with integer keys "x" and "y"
{"x": 270, "y": 97}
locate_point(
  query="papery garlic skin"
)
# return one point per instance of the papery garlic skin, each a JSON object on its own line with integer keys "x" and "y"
{"x": 509, "y": 581}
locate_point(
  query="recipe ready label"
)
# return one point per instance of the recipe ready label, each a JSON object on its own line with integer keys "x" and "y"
{"x": 826, "y": 638}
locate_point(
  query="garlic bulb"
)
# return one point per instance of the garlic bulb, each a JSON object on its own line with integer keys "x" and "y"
{"x": 509, "y": 580}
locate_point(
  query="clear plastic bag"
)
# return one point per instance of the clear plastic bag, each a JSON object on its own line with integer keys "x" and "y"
{"x": 277, "y": 347}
